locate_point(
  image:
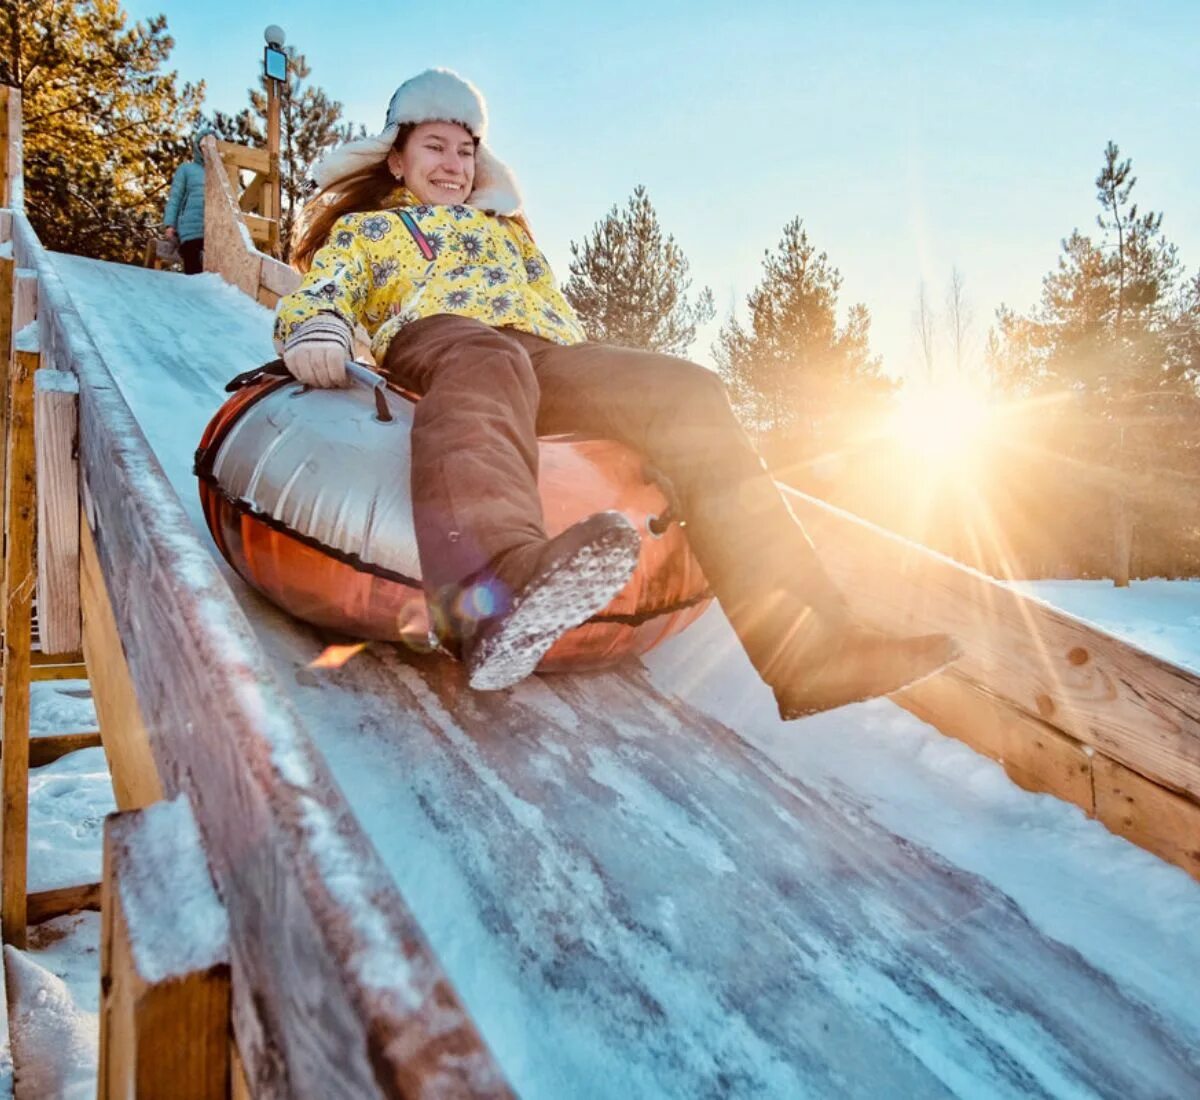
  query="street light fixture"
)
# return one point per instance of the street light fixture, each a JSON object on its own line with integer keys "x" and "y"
{"x": 275, "y": 61}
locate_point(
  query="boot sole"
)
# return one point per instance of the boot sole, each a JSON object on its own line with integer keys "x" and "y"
{"x": 578, "y": 586}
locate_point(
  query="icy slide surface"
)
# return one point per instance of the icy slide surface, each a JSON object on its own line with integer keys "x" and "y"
{"x": 643, "y": 884}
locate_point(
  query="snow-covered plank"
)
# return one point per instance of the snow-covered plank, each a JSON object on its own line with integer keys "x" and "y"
{"x": 46, "y": 905}
{"x": 630, "y": 899}
{"x": 1134, "y": 707}
{"x": 164, "y": 961}
{"x": 336, "y": 991}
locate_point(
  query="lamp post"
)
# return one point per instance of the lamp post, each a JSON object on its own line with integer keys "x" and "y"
{"x": 275, "y": 66}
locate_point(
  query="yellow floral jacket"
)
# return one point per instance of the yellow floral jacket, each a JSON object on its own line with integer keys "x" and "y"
{"x": 385, "y": 268}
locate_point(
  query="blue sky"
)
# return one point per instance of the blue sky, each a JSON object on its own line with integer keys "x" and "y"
{"x": 910, "y": 137}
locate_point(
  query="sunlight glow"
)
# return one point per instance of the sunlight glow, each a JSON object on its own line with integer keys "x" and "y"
{"x": 941, "y": 423}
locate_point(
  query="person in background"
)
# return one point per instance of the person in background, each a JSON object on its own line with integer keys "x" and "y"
{"x": 184, "y": 215}
{"x": 418, "y": 235}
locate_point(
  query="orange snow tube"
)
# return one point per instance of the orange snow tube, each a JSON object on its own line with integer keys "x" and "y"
{"x": 306, "y": 495}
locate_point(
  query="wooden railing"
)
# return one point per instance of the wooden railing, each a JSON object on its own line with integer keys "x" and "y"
{"x": 230, "y": 245}
{"x": 258, "y": 198}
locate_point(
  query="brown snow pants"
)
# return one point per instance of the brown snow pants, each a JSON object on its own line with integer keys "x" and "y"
{"x": 486, "y": 396}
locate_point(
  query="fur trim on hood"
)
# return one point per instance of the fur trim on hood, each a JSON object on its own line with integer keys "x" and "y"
{"x": 436, "y": 95}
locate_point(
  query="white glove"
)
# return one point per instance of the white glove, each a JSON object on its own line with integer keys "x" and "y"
{"x": 317, "y": 363}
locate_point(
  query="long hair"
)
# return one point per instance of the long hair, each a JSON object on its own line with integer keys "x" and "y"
{"x": 363, "y": 190}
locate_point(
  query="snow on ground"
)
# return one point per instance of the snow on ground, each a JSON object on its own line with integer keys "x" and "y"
{"x": 54, "y": 984}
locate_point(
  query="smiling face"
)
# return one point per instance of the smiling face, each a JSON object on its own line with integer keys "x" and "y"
{"x": 437, "y": 163}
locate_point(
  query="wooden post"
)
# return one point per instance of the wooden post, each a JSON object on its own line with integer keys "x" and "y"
{"x": 164, "y": 961}
{"x": 5, "y": 144}
{"x": 7, "y": 289}
{"x": 13, "y": 169}
{"x": 274, "y": 192}
{"x": 56, "y": 422}
{"x": 17, "y": 603}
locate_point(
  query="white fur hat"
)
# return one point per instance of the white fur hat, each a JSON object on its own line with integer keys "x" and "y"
{"x": 436, "y": 95}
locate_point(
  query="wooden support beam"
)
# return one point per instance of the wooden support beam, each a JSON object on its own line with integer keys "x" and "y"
{"x": 252, "y": 197}
{"x": 243, "y": 156}
{"x": 17, "y": 604}
{"x": 71, "y": 671}
{"x": 165, "y": 989}
{"x": 37, "y": 658}
{"x": 135, "y": 777}
{"x": 46, "y": 905}
{"x": 1034, "y": 754}
{"x": 24, "y": 298}
{"x": 7, "y": 285}
{"x": 14, "y": 169}
{"x": 47, "y": 748}
{"x": 56, "y": 428}
{"x": 1131, "y": 806}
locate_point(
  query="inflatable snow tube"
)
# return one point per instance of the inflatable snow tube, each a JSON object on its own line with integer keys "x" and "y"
{"x": 306, "y": 493}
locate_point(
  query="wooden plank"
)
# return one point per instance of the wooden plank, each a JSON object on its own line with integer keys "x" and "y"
{"x": 351, "y": 1001}
{"x": 24, "y": 298}
{"x": 5, "y": 143}
{"x": 251, "y": 198}
{"x": 1132, "y": 806}
{"x": 1127, "y": 704}
{"x": 260, "y": 228}
{"x": 14, "y": 189}
{"x": 48, "y": 747}
{"x": 239, "y": 1087}
{"x": 56, "y": 427}
{"x": 279, "y": 277}
{"x": 135, "y": 777}
{"x": 46, "y": 905}
{"x": 37, "y": 658}
{"x": 1034, "y": 754}
{"x": 73, "y": 671}
{"x": 7, "y": 283}
{"x": 244, "y": 156}
{"x": 164, "y": 1012}
{"x": 17, "y": 602}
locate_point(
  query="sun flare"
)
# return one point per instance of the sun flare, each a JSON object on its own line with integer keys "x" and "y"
{"x": 941, "y": 423}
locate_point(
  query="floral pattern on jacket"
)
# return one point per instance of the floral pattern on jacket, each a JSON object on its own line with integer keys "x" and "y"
{"x": 373, "y": 271}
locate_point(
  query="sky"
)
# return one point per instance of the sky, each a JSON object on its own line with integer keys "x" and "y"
{"x": 911, "y": 138}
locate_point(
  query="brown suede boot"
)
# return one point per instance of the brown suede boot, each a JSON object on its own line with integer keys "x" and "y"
{"x": 850, "y": 664}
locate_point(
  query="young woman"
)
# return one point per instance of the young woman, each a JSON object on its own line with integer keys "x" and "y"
{"x": 418, "y": 235}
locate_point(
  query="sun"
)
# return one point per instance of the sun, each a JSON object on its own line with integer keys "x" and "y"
{"x": 941, "y": 423}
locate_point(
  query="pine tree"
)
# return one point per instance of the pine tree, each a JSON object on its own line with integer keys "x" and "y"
{"x": 630, "y": 286}
{"x": 310, "y": 123}
{"x": 1117, "y": 329}
{"x": 794, "y": 372}
{"x": 1113, "y": 319}
{"x": 104, "y": 126}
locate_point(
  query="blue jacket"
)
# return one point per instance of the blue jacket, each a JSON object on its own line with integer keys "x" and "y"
{"x": 185, "y": 207}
